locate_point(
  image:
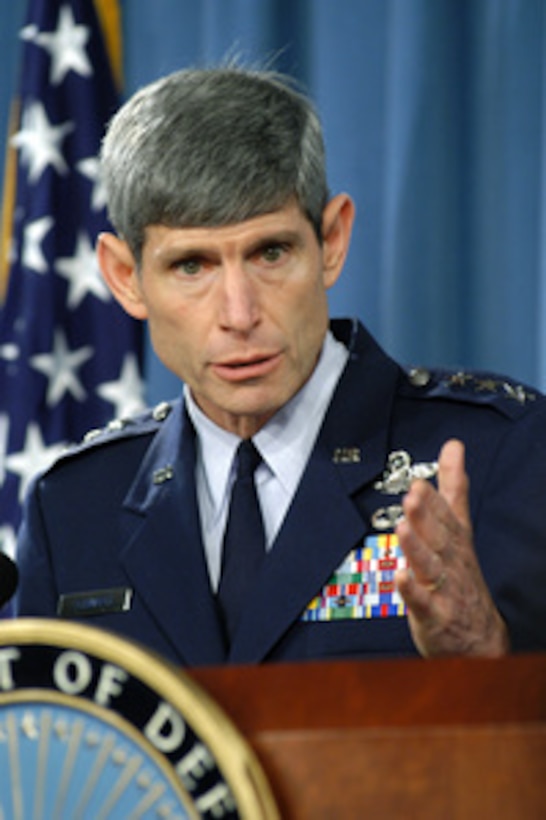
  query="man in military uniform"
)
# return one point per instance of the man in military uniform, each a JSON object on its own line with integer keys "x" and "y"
{"x": 372, "y": 536}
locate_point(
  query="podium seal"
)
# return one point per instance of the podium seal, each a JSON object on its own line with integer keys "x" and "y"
{"x": 93, "y": 726}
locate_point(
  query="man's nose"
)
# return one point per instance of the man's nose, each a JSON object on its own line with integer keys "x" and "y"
{"x": 239, "y": 307}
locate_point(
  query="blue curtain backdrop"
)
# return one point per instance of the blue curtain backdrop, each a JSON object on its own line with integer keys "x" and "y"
{"x": 434, "y": 114}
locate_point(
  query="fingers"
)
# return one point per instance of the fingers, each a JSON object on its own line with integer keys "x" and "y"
{"x": 435, "y": 522}
{"x": 421, "y": 535}
{"x": 453, "y": 480}
{"x": 450, "y": 609}
{"x": 433, "y": 535}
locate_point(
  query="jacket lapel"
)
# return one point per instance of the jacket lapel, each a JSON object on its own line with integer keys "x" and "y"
{"x": 329, "y": 516}
{"x": 164, "y": 555}
{"x": 325, "y": 522}
{"x": 312, "y": 542}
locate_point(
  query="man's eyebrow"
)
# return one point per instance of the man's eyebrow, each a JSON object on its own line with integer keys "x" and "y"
{"x": 175, "y": 253}
{"x": 282, "y": 236}
{"x": 198, "y": 250}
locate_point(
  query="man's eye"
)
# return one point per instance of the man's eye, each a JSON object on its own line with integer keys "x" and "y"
{"x": 272, "y": 253}
{"x": 190, "y": 267}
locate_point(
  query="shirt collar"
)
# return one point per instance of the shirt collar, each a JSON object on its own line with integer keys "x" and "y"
{"x": 215, "y": 453}
{"x": 285, "y": 442}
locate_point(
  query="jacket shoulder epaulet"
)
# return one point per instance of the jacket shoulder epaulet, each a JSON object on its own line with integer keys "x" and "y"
{"x": 145, "y": 423}
{"x": 129, "y": 426}
{"x": 473, "y": 387}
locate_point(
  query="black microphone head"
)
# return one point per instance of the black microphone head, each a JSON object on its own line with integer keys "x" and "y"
{"x": 9, "y": 578}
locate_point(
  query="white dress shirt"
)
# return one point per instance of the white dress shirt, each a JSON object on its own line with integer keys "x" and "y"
{"x": 285, "y": 444}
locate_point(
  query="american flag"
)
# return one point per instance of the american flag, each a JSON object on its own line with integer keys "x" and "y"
{"x": 70, "y": 359}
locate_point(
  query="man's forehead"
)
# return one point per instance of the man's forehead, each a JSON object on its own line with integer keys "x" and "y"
{"x": 288, "y": 218}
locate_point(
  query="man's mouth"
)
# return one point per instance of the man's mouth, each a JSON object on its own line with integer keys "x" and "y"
{"x": 243, "y": 369}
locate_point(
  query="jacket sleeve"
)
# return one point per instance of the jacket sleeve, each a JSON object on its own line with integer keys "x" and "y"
{"x": 510, "y": 530}
{"x": 37, "y": 593}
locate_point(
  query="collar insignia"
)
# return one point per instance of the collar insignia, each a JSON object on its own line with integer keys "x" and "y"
{"x": 346, "y": 455}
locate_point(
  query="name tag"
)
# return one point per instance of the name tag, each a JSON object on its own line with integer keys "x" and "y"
{"x": 362, "y": 587}
{"x": 95, "y": 602}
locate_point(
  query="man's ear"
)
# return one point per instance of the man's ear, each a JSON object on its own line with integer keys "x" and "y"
{"x": 337, "y": 224}
{"x": 120, "y": 273}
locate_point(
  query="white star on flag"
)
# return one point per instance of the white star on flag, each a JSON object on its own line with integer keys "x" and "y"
{"x": 40, "y": 142}
{"x": 9, "y": 352}
{"x": 60, "y": 367}
{"x": 33, "y": 235}
{"x": 62, "y": 334}
{"x": 66, "y": 46}
{"x": 82, "y": 272}
{"x": 89, "y": 167}
{"x": 34, "y": 457}
{"x": 126, "y": 394}
{"x": 8, "y": 541}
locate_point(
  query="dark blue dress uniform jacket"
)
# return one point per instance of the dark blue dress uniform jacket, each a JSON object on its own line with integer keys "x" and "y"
{"x": 119, "y": 512}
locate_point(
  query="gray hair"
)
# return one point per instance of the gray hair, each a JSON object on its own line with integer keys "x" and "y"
{"x": 210, "y": 147}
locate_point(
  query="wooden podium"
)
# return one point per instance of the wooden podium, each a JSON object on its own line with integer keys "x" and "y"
{"x": 445, "y": 739}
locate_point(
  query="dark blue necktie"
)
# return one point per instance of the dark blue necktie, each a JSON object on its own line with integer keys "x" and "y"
{"x": 244, "y": 539}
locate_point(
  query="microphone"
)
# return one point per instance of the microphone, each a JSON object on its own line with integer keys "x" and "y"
{"x": 9, "y": 577}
